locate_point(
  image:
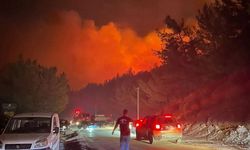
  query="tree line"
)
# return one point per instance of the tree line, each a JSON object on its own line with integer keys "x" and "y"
{"x": 32, "y": 87}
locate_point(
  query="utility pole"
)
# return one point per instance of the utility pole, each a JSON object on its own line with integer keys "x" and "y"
{"x": 138, "y": 105}
{"x": 95, "y": 110}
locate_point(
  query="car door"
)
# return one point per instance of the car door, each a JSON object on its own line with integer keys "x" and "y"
{"x": 150, "y": 124}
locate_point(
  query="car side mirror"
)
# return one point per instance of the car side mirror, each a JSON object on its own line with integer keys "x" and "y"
{"x": 56, "y": 130}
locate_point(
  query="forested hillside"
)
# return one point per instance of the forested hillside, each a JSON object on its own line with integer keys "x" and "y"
{"x": 204, "y": 75}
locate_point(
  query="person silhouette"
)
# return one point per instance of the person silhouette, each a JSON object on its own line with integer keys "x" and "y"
{"x": 123, "y": 123}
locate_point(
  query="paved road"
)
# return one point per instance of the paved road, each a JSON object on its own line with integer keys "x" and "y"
{"x": 101, "y": 139}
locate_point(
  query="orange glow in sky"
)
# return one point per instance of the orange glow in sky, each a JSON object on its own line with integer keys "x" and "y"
{"x": 85, "y": 52}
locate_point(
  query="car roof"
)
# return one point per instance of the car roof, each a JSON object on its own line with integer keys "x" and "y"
{"x": 158, "y": 116}
{"x": 49, "y": 115}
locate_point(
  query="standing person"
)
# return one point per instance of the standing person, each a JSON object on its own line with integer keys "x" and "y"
{"x": 123, "y": 123}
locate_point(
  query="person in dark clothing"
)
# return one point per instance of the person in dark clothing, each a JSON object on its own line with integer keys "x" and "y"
{"x": 123, "y": 123}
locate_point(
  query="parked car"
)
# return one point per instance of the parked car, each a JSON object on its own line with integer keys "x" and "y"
{"x": 31, "y": 131}
{"x": 159, "y": 128}
{"x": 81, "y": 120}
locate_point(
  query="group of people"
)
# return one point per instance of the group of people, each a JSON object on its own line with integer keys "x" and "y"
{"x": 123, "y": 123}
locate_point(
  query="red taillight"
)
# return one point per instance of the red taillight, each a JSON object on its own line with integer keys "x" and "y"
{"x": 157, "y": 126}
{"x": 138, "y": 123}
{"x": 178, "y": 126}
{"x": 77, "y": 111}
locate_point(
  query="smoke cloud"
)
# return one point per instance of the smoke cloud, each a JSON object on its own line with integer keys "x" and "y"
{"x": 84, "y": 51}
{"x": 91, "y": 41}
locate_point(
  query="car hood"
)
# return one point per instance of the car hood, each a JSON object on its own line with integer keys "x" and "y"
{"x": 22, "y": 138}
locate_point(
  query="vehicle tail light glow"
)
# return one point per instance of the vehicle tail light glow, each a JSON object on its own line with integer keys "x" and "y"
{"x": 178, "y": 126}
{"x": 77, "y": 111}
{"x": 168, "y": 116}
{"x": 157, "y": 126}
{"x": 138, "y": 123}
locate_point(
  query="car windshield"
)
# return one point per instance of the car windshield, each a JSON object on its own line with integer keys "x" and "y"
{"x": 29, "y": 125}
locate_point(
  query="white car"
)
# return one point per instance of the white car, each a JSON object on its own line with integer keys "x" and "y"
{"x": 31, "y": 131}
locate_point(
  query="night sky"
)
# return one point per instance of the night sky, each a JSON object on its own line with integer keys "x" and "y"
{"x": 91, "y": 41}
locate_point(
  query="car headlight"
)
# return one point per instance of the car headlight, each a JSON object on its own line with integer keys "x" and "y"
{"x": 130, "y": 126}
{"x": 1, "y": 145}
{"x": 77, "y": 123}
{"x": 41, "y": 143}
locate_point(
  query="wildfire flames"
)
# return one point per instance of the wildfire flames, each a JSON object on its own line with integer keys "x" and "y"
{"x": 85, "y": 52}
